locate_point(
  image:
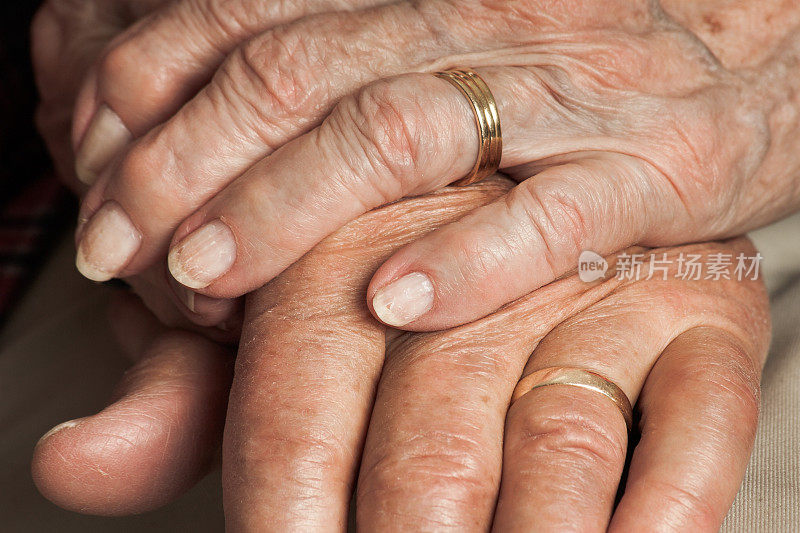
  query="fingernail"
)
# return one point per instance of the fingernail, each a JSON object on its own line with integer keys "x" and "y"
{"x": 404, "y": 300}
{"x": 109, "y": 241}
{"x": 64, "y": 425}
{"x": 187, "y": 297}
{"x": 105, "y": 138}
{"x": 203, "y": 256}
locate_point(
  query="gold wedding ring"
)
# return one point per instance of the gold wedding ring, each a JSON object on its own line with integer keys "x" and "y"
{"x": 487, "y": 119}
{"x": 576, "y": 377}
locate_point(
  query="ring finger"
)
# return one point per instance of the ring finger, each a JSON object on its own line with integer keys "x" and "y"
{"x": 566, "y": 446}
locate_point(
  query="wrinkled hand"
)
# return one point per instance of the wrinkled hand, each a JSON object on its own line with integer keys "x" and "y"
{"x": 324, "y": 395}
{"x": 631, "y": 130}
{"x": 68, "y": 37}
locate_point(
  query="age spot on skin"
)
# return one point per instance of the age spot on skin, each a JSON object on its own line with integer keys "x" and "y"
{"x": 713, "y": 23}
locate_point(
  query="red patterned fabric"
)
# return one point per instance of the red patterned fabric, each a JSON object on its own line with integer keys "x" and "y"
{"x": 28, "y": 224}
{"x": 34, "y": 208}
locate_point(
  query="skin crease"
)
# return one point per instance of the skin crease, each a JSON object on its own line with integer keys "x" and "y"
{"x": 708, "y": 139}
{"x": 312, "y": 362}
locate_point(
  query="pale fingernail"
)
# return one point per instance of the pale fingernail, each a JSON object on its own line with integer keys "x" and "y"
{"x": 404, "y": 300}
{"x": 108, "y": 242}
{"x": 187, "y": 297}
{"x": 105, "y": 138}
{"x": 64, "y": 425}
{"x": 203, "y": 256}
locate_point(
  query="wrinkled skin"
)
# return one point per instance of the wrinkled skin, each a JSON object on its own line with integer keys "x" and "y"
{"x": 324, "y": 395}
{"x": 68, "y": 37}
{"x": 640, "y": 123}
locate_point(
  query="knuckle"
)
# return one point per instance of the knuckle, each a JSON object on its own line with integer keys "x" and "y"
{"x": 574, "y": 439}
{"x": 136, "y": 171}
{"x": 388, "y": 129}
{"x": 384, "y": 133}
{"x": 230, "y": 18}
{"x": 732, "y": 382}
{"x": 274, "y": 78}
{"x": 43, "y": 20}
{"x": 147, "y": 171}
{"x": 453, "y": 466}
{"x": 693, "y": 161}
{"x": 318, "y": 459}
{"x": 475, "y": 261}
{"x": 136, "y": 168}
{"x": 246, "y": 17}
{"x": 125, "y": 70}
{"x": 697, "y": 162}
{"x": 557, "y": 214}
{"x": 565, "y": 92}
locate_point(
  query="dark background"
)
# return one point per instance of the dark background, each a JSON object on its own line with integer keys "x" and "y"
{"x": 35, "y": 209}
{"x": 23, "y": 158}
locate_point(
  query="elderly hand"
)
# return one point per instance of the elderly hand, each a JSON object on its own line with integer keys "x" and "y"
{"x": 68, "y": 37}
{"x": 324, "y": 395}
{"x": 622, "y": 126}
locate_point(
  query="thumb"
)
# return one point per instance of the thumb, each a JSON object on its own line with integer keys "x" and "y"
{"x": 506, "y": 249}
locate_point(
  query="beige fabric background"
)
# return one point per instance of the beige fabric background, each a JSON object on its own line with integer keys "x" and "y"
{"x": 769, "y": 499}
{"x": 57, "y": 362}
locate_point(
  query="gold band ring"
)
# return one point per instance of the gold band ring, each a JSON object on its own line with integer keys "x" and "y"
{"x": 487, "y": 119}
{"x": 576, "y": 377}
